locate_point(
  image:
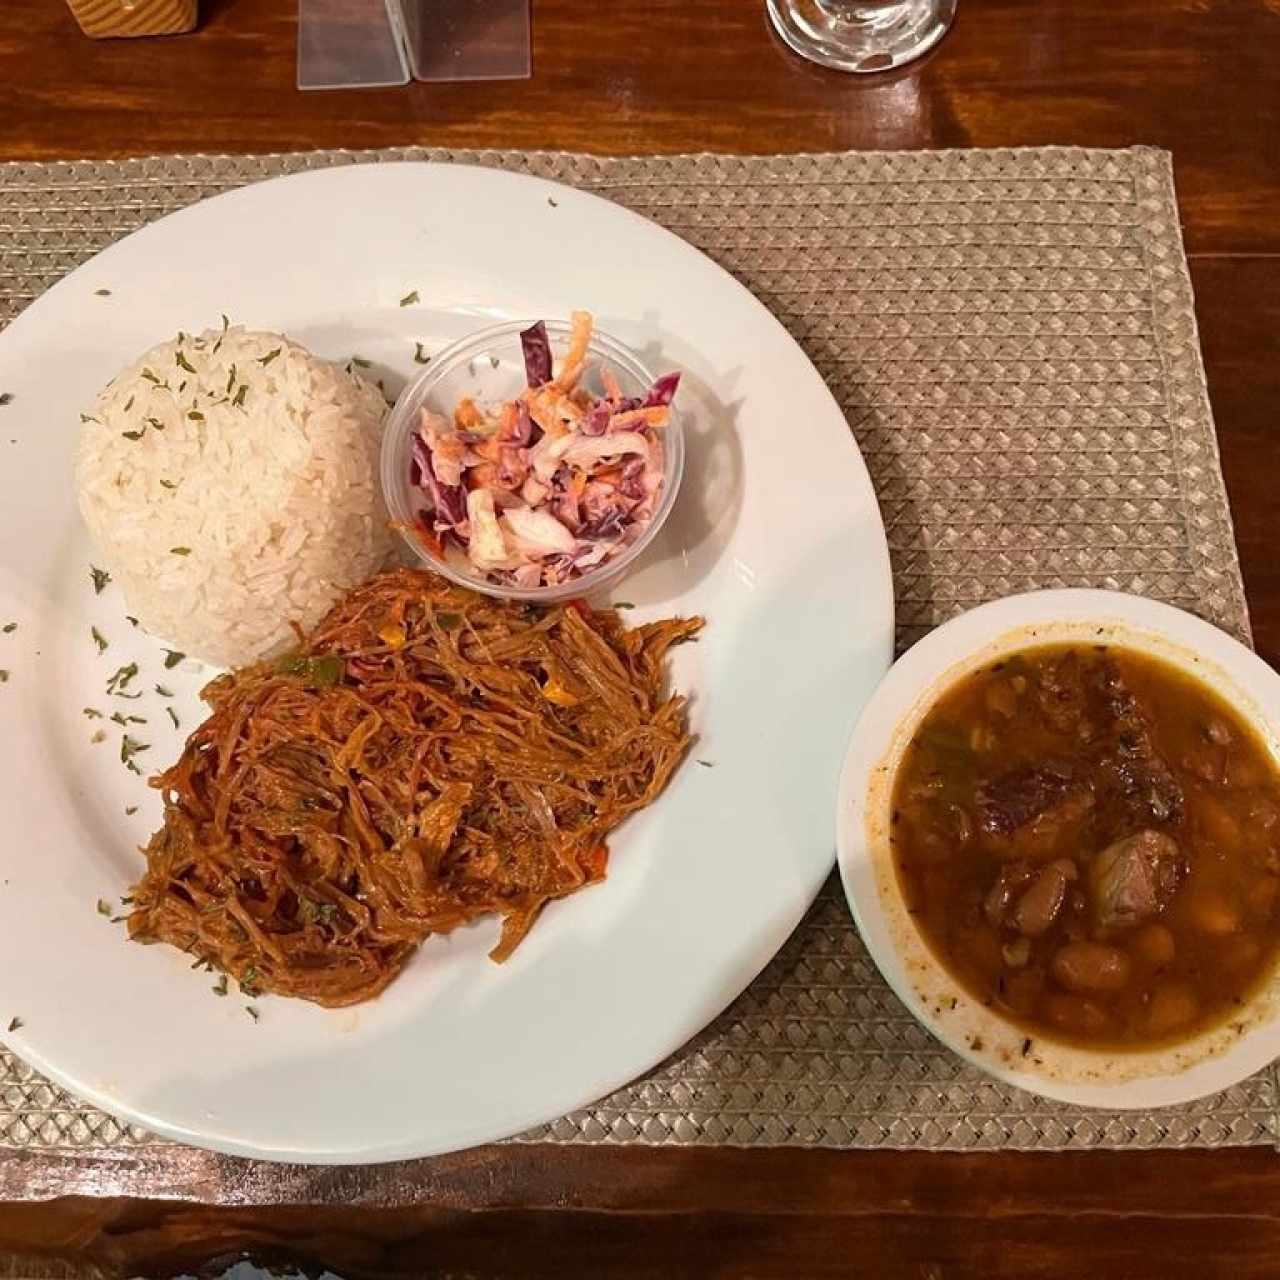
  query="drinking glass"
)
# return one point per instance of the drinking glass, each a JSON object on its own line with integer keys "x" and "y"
{"x": 861, "y": 35}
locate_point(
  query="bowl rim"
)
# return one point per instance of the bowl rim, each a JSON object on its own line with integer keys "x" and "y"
{"x": 611, "y": 572}
{"x": 1165, "y": 1075}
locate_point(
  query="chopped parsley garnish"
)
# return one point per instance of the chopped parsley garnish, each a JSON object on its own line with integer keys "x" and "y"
{"x": 99, "y": 639}
{"x": 125, "y": 721}
{"x": 183, "y": 363}
{"x": 252, "y": 1012}
{"x": 131, "y": 620}
{"x": 128, "y": 404}
{"x": 359, "y": 362}
{"x": 9, "y": 628}
{"x": 88, "y": 417}
{"x": 119, "y": 680}
{"x": 100, "y": 578}
{"x": 133, "y": 435}
{"x": 623, "y": 604}
{"x": 241, "y": 391}
{"x": 171, "y": 658}
{"x": 167, "y": 484}
{"x": 419, "y": 355}
{"x": 195, "y": 415}
{"x": 231, "y": 379}
{"x": 104, "y": 907}
{"x": 155, "y": 423}
{"x": 130, "y": 810}
{"x": 449, "y": 621}
{"x": 92, "y": 714}
{"x": 410, "y": 298}
{"x": 173, "y": 715}
{"x": 269, "y": 357}
{"x": 6, "y": 397}
{"x": 4, "y": 676}
{"x": 15, "y": 1024}
{"x": 220, "y": 987}
{"x": 102, "y": 293}
{"x": 150, "y": 377}
{"x": 179, "y": 551}
{"x": 100, "y": 736}
{"x": 706, "y": 764}
{"x": 130, "y": 747}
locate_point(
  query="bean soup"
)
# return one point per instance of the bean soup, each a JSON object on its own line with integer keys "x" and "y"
{"x": 1089, "y": 841}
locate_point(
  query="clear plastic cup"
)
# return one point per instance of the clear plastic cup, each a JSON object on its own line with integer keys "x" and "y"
{"x": 488, "y": 366}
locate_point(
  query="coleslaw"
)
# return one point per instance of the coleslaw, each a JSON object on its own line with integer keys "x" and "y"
{"x": 537, "y": 490}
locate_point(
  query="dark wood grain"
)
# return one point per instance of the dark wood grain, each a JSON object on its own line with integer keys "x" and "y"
{"x": 1238, "y": 309}
{"x": 1196, "y": 76}
{"x": 531, "y": 1213}
{"x": 1200, "y": 77}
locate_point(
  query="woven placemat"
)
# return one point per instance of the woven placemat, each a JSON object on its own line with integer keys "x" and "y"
{"x": 1011, "y": 335}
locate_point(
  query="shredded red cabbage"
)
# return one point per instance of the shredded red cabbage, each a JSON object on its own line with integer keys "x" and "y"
{"x": 596, "y": 423}
{"x": 537, "y": 354}
{"x": 663, "y": 391}
{"x": 448, "y": 501}
{"x": 631, "y": 482}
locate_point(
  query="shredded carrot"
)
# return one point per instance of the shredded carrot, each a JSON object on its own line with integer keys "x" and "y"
{"x": 467, "y": 415}
{"x": 575, "y": 357}
{"x": 655, "y": 416}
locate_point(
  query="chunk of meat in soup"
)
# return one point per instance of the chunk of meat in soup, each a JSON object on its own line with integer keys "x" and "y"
{"x": 1135, "y": 785}
{"x": 1020, "y": 796}
{"x": 1133, "y": 879}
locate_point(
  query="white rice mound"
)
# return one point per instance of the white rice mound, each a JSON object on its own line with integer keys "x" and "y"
{"x": 236, "y": 496}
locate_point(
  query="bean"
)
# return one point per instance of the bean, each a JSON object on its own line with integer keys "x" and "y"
{"x": 1172, "y": 1006}
{"x": 1240, "y": 952}
{"x": 1091, "y": 966}
{"x": 1219, "y": 826}
{"x": 1153, "y": 946}
{"x": 1211, "y": 913}
{"x": 1039, "y": 906}
{"x": 1075, "y": 1014}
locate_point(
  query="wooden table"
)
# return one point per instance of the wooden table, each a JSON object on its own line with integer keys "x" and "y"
{"x": 1199, "y": 77}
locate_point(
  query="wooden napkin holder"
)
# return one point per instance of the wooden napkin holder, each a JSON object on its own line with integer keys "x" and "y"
{"x": 104, "y": 18}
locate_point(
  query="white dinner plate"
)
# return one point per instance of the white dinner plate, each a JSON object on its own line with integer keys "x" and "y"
{"x": 776, "y": 539}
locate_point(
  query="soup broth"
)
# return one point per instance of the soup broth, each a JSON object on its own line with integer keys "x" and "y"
{"x": 1089, "y": 841}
